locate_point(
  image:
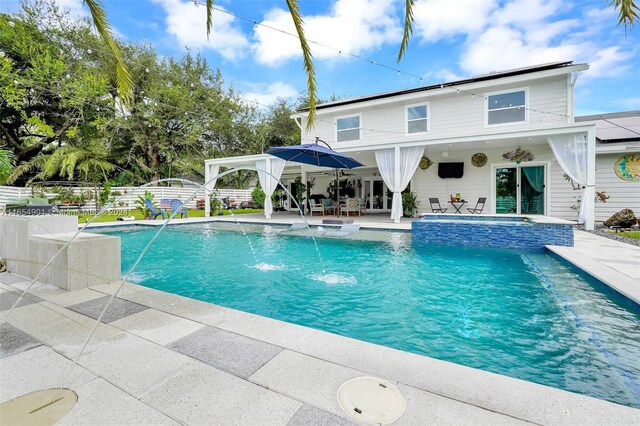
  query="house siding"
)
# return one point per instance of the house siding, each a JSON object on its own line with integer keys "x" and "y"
{"x": 450, "y": 115}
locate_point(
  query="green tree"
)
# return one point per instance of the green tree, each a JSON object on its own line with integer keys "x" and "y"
{"x": 6, "y": 164}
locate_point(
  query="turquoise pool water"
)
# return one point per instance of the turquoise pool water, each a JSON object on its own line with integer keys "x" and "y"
{"x": 522, "y": 314}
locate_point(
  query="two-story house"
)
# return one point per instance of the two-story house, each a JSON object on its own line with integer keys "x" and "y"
{"x": 455, "y": 138}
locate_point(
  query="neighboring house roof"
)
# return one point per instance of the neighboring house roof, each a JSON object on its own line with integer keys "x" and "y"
{"x": 615, "y": 132}
{"x": 484, "y": 77}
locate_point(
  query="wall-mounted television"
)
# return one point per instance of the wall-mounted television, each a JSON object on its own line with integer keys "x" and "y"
{"x": 450, "y": 170}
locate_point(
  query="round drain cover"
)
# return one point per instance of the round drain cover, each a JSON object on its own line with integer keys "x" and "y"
{"x": 371, "y": 400}
{"x": 44, "y": 407}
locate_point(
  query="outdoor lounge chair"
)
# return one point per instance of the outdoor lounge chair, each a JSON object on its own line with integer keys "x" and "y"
{"x": 328, "y": 205}
{"x": 435, "y": 206}
{"x": 479, "y": 206}
{"x": 179, "y": 207}
{"x": 295, "y": 226}
{"x": 154, "y": 212}
{"x": 315, "y": 207}
{"x": 345, "y": 230}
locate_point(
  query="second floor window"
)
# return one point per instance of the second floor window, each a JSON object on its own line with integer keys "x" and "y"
{"x": 417, "y": 119}
{"x": 508, "y": 107}
{"x": 348, "y": 128}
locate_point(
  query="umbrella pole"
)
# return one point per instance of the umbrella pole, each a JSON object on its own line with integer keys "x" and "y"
{"x": 337, "y": 194}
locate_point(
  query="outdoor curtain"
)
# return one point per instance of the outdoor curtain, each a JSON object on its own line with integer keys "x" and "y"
{"x": 269, "y": 173}
{"x": 409, "y": 160}
{"x": 214, "y": 170}
{"x": 571, "y": 152}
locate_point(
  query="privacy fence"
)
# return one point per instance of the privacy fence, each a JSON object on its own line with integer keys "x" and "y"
{"x": 129, "y": 195}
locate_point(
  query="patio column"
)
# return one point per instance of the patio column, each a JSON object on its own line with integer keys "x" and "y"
{"x": 210, "y": 172}
{"x": 303, "y": 178}
{"x": 590, "y": 190}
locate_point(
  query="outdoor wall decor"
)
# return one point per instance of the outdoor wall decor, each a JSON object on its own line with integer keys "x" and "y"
{"x": 425, "y": 163}
{"x": 628, "y": 167}
{"x": 519, "y": 155}
{"x": 479, "y": 159}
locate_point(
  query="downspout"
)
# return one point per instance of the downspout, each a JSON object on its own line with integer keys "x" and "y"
{"x": 573, "y": 77}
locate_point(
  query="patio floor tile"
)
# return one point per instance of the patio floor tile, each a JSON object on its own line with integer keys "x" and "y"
{"x": 9, "y": 278}
{"x": 227, "y": 351}
{"x": 135, "y": 364}
{"x": 118, "y": 308}
{"x": 64, "y": 330}
{"x": 428, "y": 408}
{"x": 306, "y": 379}
{"x": 14, "y": 341}
{"x": 101, "y": 403}
{"x": 203, "y": 395}
{"x": 36, "y": 369}
{"x": 157, "y": 326}
{"x": 308, "y": 415}
{"x": 8, "y": 298}
{"x": 59, "y": 296}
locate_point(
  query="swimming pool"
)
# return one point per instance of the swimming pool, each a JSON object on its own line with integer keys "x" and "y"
{"x": 522, "y": 314}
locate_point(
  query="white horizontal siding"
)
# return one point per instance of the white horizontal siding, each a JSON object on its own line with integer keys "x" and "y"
{"x": 450, "y": 115}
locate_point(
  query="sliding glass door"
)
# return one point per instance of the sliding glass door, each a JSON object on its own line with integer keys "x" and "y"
{"x": 520, "y": 190}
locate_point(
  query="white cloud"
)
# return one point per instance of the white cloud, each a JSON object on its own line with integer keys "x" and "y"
{"x": 608, "y": 62}
{"x": 187, "y": 22}
{"x": 501, "y": 48}
{"x": 441, "y": 75}
{"x": 352, "y": 25}
{"x": 436, "y": 19}
{"x": 74, "y": 7}
{"x": 266, "y": 94}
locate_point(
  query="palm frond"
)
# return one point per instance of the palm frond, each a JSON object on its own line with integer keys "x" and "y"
{"x": 309, "y": 68}
{"x": 209, "y": 16}
{"x": 627, "y": 11}
{"x": 408, "y": 27}
{"x": 123, "y": 78}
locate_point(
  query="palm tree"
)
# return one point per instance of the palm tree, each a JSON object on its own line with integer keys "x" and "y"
{"x": 7, "y": 160}
{"x": 627, "y": 14}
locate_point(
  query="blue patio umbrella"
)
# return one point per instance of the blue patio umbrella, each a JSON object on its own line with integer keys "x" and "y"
{"x": 318, "y": 155}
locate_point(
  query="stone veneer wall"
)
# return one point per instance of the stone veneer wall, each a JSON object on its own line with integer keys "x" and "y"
{"x": 490, "y": 231}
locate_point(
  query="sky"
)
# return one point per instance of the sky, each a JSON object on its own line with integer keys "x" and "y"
{"x": 452, "y": 39}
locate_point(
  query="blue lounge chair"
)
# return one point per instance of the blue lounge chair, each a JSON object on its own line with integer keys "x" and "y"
{"x": 177, "y": 206}
{"x": 154, "y": 212}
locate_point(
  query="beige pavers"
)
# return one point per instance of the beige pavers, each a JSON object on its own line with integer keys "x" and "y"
{"x": 203, "y": 395}
{"x": 157, "y": 326}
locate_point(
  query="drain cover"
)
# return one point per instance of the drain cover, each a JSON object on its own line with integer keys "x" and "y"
{"x": 44, "y": 407}
{"x": 371, "y": 400}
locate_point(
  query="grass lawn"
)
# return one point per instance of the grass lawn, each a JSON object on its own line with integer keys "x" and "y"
{"x": 110, "y": 217}
{"x": 631, "y": 234}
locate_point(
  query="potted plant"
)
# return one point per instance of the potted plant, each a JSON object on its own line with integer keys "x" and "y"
{"x": 409, "y": 203}
{"x": 299, "y": 191}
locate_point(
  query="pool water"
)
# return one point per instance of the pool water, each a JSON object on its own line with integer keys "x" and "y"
{"x": 521, "y": 314}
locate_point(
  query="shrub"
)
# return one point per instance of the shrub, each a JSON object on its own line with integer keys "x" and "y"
{"x": 258, "y": 197}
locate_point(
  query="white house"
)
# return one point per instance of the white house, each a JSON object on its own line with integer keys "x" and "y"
{"x": 397, "y": 134}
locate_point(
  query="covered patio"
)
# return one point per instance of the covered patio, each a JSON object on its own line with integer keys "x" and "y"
{"x": 562, "y": 165}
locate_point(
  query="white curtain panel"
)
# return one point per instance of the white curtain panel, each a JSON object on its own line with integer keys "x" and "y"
{"x": 269, "y": 176}
{"x": 409, "y": 160}
{"x": 571, "y": 152}
{"x": 212, "y": 176}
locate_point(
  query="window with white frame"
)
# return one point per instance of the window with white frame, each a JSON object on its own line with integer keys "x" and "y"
{"x": 348, "y": 128}
{"x": 417, "y": 118}
{"x": 507, "y": 107}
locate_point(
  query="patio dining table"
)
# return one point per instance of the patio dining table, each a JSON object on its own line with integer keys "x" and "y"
{"x": 457, "y": 205}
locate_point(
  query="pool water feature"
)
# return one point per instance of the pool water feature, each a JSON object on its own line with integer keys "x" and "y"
{"x": 523, "y": 314}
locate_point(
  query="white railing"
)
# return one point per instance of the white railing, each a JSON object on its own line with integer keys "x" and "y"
{"x": 128, "y": 202}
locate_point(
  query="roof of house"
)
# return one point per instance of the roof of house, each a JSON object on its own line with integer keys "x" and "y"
{"x": 615, "y": 127}
{"x": 484, "y": 77}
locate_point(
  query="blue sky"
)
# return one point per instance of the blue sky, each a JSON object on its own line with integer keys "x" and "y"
{"x": 452, "y": 39}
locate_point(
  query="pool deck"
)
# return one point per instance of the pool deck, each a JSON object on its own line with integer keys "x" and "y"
{"x": 159, "y": 358}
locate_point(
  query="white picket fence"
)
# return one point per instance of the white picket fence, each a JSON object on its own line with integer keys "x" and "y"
{"x": 127, "y": 195}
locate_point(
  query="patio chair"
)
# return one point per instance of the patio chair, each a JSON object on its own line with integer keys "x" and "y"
{"x": 345, "y": 230}
{"x": 435, "y": 206}
{"x": 363, "y": 207}
{"x": 328, "y": 205}
{"x": 154, "y": 212}
{"x": 179, "y": 207}
{"x": 315, "y": 207}
{"x": 479, "y": 206}
{"x": 350, "y": 205}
